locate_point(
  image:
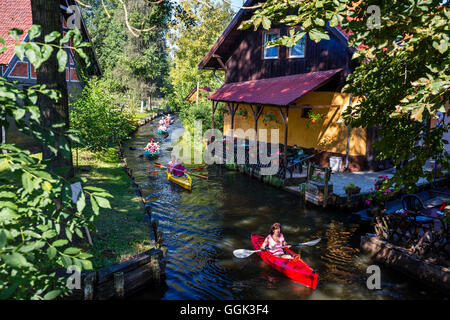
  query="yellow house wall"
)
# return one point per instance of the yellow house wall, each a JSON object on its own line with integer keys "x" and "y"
{"x": 326, "y": 135}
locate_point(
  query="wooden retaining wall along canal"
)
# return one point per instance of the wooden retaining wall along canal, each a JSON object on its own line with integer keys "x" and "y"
{"x": 271, "y": 180}
{"x": 398, "y": 258}
{"x": 125, "y": 278}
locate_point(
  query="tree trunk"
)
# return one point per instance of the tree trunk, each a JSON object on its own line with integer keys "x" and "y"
{"x": 47, "y": 14}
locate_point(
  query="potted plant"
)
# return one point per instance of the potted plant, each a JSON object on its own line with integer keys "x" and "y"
{"x": 269, "y": 116}
{"x": 351, "y": 187}
{"x": 243, "y": 113}
{"x": 377, "y": 198}
{"x": 318, "y": 177}
{"x": 224, "y": 111}
{"x": 314, "y": 118}
{"x": 445, "y": 209}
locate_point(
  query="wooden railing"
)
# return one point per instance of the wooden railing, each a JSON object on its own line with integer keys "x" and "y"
{"x": 428, "y": 237}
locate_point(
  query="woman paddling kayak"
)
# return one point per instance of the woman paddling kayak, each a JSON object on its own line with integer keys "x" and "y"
{"x": 275, "y": 240}
{"x": 172, "y": 163}
{"x": 178, "y": 170}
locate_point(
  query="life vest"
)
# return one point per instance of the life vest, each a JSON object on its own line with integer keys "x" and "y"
{"x": 272, "y": 243}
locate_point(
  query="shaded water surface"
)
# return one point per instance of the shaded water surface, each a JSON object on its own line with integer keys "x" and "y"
{"x": 201, "y": 229}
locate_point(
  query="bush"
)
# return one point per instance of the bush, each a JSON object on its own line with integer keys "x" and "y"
{"x": 38, "y": 218}
{"x": 100, "y": 121}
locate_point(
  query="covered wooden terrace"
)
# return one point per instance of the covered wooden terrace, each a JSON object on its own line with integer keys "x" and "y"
{"x": 279, "y": 92}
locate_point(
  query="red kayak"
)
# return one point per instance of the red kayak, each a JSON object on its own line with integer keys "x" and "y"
{"x": 296, "y": 269}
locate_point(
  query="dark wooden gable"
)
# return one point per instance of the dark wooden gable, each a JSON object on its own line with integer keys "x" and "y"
{"x": 240, "y": 54}
{"x": 246, "y": 62}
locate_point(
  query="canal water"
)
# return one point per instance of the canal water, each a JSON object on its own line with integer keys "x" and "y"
{"x": 202, "y": 227}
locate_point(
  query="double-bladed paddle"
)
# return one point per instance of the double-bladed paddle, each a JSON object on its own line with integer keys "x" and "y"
{"x": 159, "y": 165}
{"x": 244, "y": 253}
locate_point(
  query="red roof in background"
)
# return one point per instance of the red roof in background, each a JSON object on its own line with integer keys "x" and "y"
{"x": 14, "y": 14}
{"x": 280, "y": 91}
{"x": 345, "y": 32}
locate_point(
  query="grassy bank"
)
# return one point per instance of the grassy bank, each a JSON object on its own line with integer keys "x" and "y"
{"x": 139, "y": 116}
{"x": 122, "y": 231}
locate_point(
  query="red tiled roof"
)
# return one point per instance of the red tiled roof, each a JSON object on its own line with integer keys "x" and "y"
{"x": 204, "y": 89}
{"x": 280, "y": 91}
{"x": 13, "y": 14}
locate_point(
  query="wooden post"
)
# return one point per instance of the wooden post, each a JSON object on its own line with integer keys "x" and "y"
{"x": 325, "y": 187}
{"x": 214, "y": 107}
{"x": 119, "y": 284}
{"x": 256, "y": 114}
{"x": 88, "y": 291}
{"x": 303, "y": 193}
{"x": 286, "y": 125}
{"x": 148, "y": 211}
{"x": 159, "y": 240}
{"x": 156, "y": 272}
{"x": 198, "y": 93}
{"x": 309, "y": 171}
{"x": 155, "y": 229}
{"x": 232, "y": 108}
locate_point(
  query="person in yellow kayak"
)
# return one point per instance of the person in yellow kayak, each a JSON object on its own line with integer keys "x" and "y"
{"x": 178, "y": 170}
{"x": 274, "y": 241}
{"x": 172, "y": 163}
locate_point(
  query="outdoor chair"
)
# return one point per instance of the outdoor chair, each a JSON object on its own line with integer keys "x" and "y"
{"x": 295, "y": 160}
{"x": 411, "y": 202}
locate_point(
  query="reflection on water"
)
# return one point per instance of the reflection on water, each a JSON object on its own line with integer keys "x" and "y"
{"x": 201, "y": 229}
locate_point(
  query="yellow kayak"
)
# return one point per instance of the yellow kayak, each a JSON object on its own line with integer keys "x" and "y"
{"x": 184, "y": 181}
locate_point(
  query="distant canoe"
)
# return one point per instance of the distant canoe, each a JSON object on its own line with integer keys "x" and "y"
{"x": 152, "y": 155}
{"x": 162, "y": 131}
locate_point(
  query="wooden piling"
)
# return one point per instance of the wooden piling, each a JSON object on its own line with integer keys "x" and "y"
{"x": 148, "y": 211}
{"x": 155, "y": 229}
{"x": 155, "y": 268}
{"x": 119, "y": 284}
{"x": 122, "y": 279}
{"x": 88, "y": 284}
{"x": 309, "y": 171}
{"x": 159, "y": 240}
{"x": 325, "y": 189}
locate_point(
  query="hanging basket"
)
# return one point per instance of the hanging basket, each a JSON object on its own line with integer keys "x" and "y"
{"x": 269, "y": 117}
{"x": 315, "y": 118}
{"x": 242, "y": 113}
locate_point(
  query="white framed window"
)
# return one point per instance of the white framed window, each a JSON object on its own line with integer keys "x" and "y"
{"x": 298, "y": 50}
{"x": 270, "y": 53}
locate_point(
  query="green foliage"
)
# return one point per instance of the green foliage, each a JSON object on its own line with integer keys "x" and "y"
{"x": 350, "y": 186}
{"x": 314, "y": 118}
{"x": 100, "y": 121}
{"x": 36, "y": 232}
{"x": 37, "y": 216}
{"x": 138, "y": 67}
{"x": 196, "y": 29}
{"x": 37, "y": 53}
{"x": 402, "y": 80}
